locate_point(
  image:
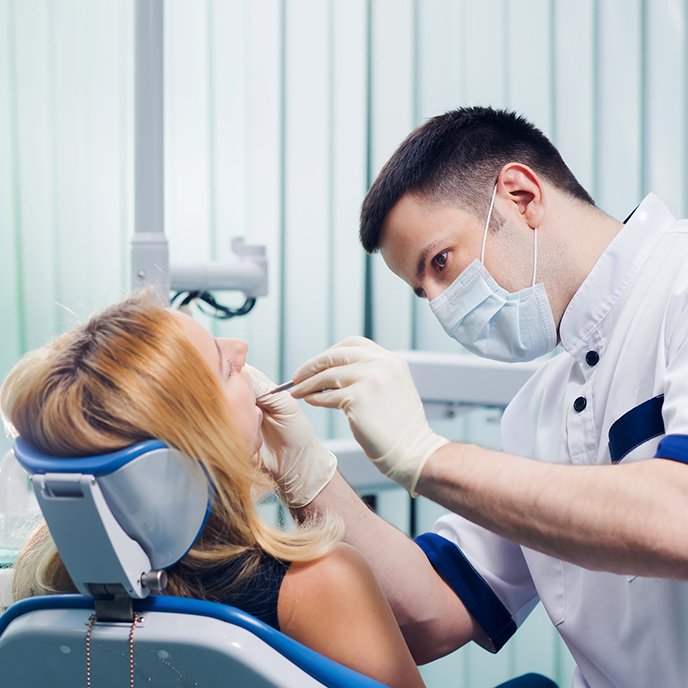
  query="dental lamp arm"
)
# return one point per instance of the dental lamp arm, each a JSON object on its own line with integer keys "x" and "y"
{"x": 151, "y": 268}
{"x": 249, "y": 274}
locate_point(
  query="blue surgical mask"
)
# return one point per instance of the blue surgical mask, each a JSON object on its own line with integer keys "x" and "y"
{"x": 492, "y": 322}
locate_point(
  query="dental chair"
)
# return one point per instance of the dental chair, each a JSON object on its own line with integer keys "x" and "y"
{"x": 119, "y": 520}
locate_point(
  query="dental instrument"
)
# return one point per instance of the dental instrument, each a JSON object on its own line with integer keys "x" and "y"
{"x": 280, "y": 388}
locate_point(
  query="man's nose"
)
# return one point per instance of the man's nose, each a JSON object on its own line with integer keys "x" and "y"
{"x": 432, "y": 290}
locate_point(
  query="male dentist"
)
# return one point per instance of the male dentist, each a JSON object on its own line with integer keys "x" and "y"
{"x": 587, "y": 506}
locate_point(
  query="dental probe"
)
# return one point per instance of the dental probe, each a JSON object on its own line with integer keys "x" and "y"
{"x": 280, "y": 388}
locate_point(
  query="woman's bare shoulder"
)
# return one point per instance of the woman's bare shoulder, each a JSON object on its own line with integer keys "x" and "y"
{"x": 335, "y": 606}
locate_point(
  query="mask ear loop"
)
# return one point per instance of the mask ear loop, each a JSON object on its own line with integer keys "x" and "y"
{"x": 487, "y": 224}
{"x": 534, "y": 256}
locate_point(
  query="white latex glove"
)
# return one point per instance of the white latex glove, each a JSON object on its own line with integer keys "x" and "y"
{"x": 291, "y": 452}
{"x": 375, "y": 389}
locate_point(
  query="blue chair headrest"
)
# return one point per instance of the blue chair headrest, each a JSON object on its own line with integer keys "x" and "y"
{"x": 36, "y": 461}
{"x": 159, "y": 497}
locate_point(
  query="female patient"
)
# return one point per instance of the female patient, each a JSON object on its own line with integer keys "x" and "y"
{"x": 138, "y": 371}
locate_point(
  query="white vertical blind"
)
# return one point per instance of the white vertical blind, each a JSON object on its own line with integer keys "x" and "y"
{"x": 307, "y": 190}
{"x": 11, "y": 312}
{"x": 572, "y": 40}
{"x": 391, "y": 118}
{"x": 278, "y": 115}
{"x": 618, "y": 104}
{"x": 259, "y": 152}
{"x": 664, "y": 145}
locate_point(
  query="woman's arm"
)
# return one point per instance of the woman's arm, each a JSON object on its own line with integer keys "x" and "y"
{"x": 335, "y": 606}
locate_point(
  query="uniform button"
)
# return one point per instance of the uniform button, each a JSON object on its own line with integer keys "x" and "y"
{"x": 592, "y": 358}
{"x": 580, "y": 404}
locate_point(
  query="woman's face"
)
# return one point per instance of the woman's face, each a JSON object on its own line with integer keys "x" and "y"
{"x": 226, "y": 358}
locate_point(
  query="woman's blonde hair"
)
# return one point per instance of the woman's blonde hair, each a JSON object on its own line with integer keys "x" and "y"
{"x": 131, "y": 374}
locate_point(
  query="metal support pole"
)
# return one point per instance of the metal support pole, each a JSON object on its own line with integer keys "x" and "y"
{"x": 149, "y": 250}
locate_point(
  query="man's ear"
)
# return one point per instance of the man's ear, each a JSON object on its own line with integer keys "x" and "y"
{"x": 522, "y": 188}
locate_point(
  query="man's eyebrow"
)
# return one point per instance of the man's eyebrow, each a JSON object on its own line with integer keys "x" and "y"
{"x": 422, "y": 258}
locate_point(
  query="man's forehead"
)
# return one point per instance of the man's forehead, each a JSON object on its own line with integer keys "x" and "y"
{"x": 414, "y": 228}
{"x": 404, "y": 225}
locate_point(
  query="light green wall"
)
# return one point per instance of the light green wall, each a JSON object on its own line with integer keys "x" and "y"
{"x": 278, "y": 115}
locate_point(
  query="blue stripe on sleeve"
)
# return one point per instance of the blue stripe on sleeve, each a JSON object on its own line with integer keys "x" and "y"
{"x": 673, "y": 447}
{"x": 635, "y": 427}
{"x": 477, "y": 596}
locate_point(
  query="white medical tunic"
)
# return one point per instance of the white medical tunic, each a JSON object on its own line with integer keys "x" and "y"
{"x": 617, "y": 393}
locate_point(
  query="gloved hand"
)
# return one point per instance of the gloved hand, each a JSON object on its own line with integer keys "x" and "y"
{"x": 291, "y": 452}
{"x": 376, "y": 391}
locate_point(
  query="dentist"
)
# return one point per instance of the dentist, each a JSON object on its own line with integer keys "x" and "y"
{"x": 586, "y": 507}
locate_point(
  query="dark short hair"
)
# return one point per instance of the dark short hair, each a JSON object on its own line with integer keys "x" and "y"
{"x": 456, "y": 158}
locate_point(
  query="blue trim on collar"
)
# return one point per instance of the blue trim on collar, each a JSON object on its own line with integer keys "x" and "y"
{"x": 674, "y": 447}
{"x": 322, "y": 669}
{"x": 471, "y": 588}
{"x": 636, "y": 426}
{"x": 36, "y": 461}
{"x": 630, "y": 215}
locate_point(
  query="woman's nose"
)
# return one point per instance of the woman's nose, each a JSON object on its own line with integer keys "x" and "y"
{"x": 236, "y": 350}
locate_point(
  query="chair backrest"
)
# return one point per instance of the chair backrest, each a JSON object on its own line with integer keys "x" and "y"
{"x": 176, "y": 641}
{"x": 118, "y": 521}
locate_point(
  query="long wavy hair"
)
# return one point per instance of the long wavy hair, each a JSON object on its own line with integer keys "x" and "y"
{"x": 130, "y": 374}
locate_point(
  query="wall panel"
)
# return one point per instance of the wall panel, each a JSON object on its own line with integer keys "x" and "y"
{"x": 263, "y": 103}
{"x": 619, "y": 108}
{"x": 529, "y": 61}
{"x": 86, "y": 172}
{"x": 35, "y": 184}
{"x": 11, "y": 313}
{"x": 392, "y": 116}
{"x": 348, "y": 95}
{"x": 440, "y": 82}
{"x": 187, "y": 170}
{"x": 664, "y": 23}
{"x": 485, "y": 54}
{"x": 307, "y": 240}
{"x": 227, "y": 76}
{"x": 573, "y": 93}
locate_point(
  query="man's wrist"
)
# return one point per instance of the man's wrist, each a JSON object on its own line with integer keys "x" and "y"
{"x": 433, "y": 471}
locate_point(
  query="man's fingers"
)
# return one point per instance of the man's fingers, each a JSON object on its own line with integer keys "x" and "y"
{"x": 357, "y": 341}
{"x": 333, "y": 358}
{"x": 331, "y": 378}
{"x": 329, "y": 398}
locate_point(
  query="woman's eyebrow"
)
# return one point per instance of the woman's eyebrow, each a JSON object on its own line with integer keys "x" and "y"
{"x": 221, "y": 358}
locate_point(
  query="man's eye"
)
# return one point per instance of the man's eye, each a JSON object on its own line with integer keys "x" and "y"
{"x": 440, "y": 261}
